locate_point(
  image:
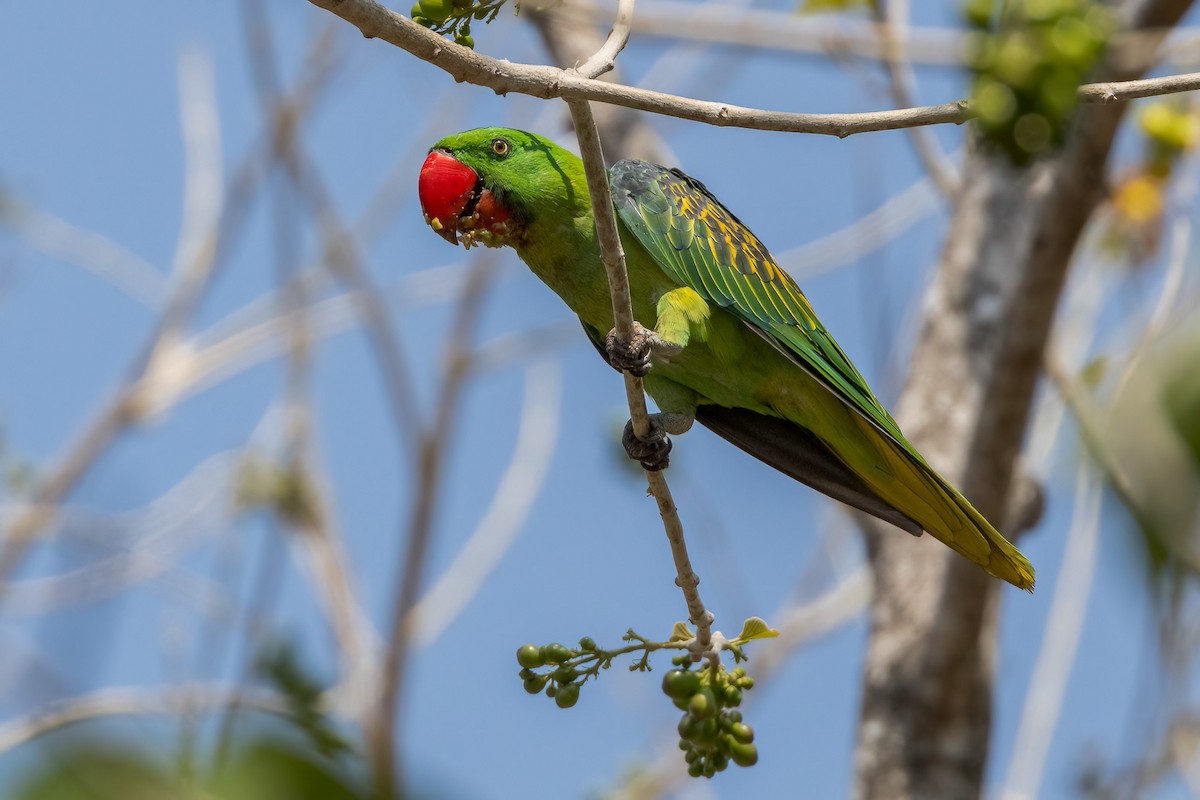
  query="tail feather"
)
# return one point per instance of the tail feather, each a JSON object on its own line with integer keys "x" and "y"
{"x": 903, "y": 479}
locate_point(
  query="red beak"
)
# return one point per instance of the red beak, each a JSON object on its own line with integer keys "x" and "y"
{"x": 446, "y": 188}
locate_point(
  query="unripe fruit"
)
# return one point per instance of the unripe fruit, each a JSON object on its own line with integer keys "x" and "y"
{"x": 530, "y": 656}
{"x": 436, "y": 10}
{"x": 679, "y": 684}
{"x": 703, "y": 704}
{"x": 567, "y": 695}
{"x": 744, "y": 755}
{"x": 742, "y": 732}
{"x": 555, "y": 653}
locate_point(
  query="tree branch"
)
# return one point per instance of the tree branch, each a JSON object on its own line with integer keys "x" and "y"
{"x": 503, "y": 77}
{"x": 613, "y": 257}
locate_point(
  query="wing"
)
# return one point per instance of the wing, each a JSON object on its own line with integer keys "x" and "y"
{"x": 791, "y": 449}
{"x": 700, "y": 244}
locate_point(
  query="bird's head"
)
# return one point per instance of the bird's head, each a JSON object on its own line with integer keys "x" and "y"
{"x": 485, "y": 186}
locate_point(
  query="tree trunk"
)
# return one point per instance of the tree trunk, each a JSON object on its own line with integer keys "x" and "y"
{"x": 926, "y": 709}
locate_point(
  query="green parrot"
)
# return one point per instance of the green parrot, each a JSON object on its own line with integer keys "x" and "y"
{"x": 734, "y": 343}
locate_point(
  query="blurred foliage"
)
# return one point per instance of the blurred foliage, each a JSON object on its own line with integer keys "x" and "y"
{"x": 319, "y": 766}
{"x": 818, "y": 6}
{"x": 1133, "y": 222}
{"x": 264, "y": 769}
{"x": 279, "y": 664}
{"x": 286, "y": 489}
{"x": 1150, "y": 433}
{"x": 1028, "y": 61}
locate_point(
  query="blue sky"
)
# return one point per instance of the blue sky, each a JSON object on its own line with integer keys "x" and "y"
{"x": 90, "y": 134}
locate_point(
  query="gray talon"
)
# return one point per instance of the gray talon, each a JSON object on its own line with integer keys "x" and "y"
{"x": 653, "y": 452}
{"x": 632, "y": 356}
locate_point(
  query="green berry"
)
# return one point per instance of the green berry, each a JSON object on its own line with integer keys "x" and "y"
{"x": 587, "y": 644}
{"x": 746, "y": 682}
{"x": 416, "y": 11}
{"x": 688, "y": 727}
{"x": 530, "y": 656}
{"x": 733, "y": 696}
{"x": 695, "y": 769}
{"x": 466, "y": 40}
{"x": 564, "y": 674}
{"x": 526, "y": 673}
{"x": 744, "y": 755}
{"x": 436, "y": 10}
{"x": 703, "y": 704}
{"x": 567, "y": 695}
{"x": 708, "y": 732}
{"x": 680, "y": 683}
{"x": 742, "y": 732}
{"x": 535, "y": 685}
{"x": 555, "y": 653}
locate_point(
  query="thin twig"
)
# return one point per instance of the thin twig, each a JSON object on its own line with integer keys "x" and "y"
{"x": 833, "y": 34}
{"x": 388, "y": 773}
{"x": 195, "y": 258}
{"x": 1060, "y": 643}
{"x": 503, "y": 77}
{"x": 604, "y": 60}
{"x": 154, "y": 375}
{"x": 613, "y": 257}
{"x": 893, "y": 18}
{"x": 96, "y": 253}
{"x": 501, "y": 522}
{"x": 134, "y": 701}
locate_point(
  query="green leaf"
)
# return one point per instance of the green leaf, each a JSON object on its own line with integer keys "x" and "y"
{"x": 681, "y": 633}
{"x": 756, "y": 628}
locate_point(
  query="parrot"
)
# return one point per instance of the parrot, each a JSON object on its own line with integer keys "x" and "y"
{"x": 733, "y": 344}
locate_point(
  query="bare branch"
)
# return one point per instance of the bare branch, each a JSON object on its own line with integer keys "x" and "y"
{"x": 431, "y": 451}
{"x": 377, "y": 21}
{"x": 893, "y": 18}
{"x": 838, "y": 34}
{"x": 604, "y": 59}
{"x": 135, "y": 701}
{"x": 613, "y": 257}
{"x": 56, "y": 237}
{"x": 510, "y": 506}
{"x": 1060, "y": 642}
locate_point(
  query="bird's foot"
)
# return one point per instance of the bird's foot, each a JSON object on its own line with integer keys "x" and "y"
{"x": 634, "y": 356}
{"x": 652, "y": 452}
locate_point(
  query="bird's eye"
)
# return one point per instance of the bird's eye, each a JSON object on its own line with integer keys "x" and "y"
{"x": 500, "y": 147}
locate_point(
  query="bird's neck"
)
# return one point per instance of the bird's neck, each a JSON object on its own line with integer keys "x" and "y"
{"x": 562, "y": 250}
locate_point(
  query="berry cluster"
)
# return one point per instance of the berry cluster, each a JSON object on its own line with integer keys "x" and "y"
{"x": 453, "y": 17}
{"x": 561, "y": 683}
{"x": 1028, "y": 66}
{"x": 711, "y": 732}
